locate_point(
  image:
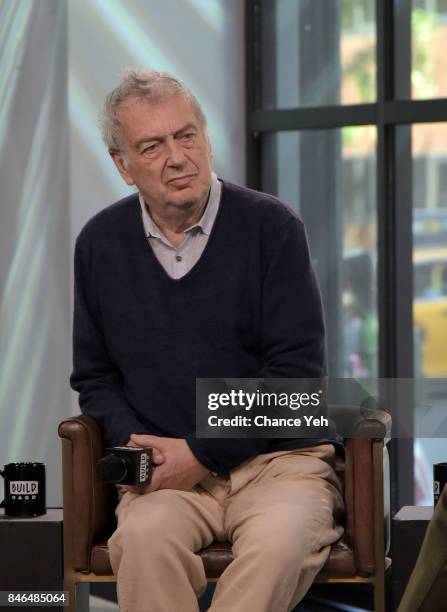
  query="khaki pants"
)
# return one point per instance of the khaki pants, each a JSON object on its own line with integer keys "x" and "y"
{"x": 277, "y": 509}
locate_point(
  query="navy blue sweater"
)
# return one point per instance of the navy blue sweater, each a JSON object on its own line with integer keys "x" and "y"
{"x": 250, "y": 307}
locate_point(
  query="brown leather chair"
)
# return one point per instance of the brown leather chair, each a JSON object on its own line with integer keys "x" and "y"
{"x": 359, "y": 556}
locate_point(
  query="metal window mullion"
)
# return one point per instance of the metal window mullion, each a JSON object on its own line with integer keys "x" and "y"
{"x": 404, "y": 112}
{"x": 315, "y": 117}
{"x": 385, "y": 194}
{"x": 393, "y": 112}
{"x": 253, "y": 88}
{"x": 394, "y": 244}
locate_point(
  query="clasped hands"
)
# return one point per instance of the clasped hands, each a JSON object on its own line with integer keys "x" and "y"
{"x": 176, "y": 465}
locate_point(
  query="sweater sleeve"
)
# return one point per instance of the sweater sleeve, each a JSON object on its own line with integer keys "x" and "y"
{"x": 292, "y": 336}
{"x": 94, "y": 375}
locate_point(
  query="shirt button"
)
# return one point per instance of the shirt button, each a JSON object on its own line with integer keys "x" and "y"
{"x": 178, "y": 258}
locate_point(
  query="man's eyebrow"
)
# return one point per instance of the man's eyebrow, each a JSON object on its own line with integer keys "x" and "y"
{"x": 188, "y": 126}
{"x": 159, "y": 137}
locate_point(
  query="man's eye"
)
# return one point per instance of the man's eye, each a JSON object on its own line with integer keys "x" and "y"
{"x": 151, "y": 148}
{"x": 188, "y": 136}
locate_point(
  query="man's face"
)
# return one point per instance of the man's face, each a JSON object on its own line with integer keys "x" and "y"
{"x": 165, "y": 153}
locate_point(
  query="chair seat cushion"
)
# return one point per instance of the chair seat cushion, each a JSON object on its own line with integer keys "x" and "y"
{"x": 341, "y": 561}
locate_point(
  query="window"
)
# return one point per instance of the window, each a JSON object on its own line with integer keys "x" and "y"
{"x": 347, "y": 120}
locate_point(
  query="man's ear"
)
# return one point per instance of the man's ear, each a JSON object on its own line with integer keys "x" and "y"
{"x": 207, "y": 139}
{"x": 120, "y": 162}
{"x": 210, "y": 149}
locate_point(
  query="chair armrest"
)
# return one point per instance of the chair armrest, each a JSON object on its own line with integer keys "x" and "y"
{"x": 361, "y": 422}
{"x": 89, "y": 503}
{"x": 374, "y": 424}
{"x": 366, "y": 485}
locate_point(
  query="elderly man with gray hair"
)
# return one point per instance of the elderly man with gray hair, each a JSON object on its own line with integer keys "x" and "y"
{"x": 195, "y": 277}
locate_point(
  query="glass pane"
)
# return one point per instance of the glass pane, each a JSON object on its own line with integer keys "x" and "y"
{"x": 429, "y": 154}
{"x": 429, "y": 148}
{"x": 329, "y": 178}
{"x": 318, "y": 53}
{"x": 424, "y": 24}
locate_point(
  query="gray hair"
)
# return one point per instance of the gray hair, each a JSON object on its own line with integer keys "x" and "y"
{"x": 149, "y": 85}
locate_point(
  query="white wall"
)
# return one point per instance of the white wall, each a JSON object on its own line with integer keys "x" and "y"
{"x": 35, "y": 311}
{"x": 55, "y": 172}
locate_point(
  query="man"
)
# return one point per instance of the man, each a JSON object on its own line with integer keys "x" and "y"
{"x": 197, "y": 277}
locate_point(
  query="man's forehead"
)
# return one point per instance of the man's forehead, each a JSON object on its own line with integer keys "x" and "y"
{"x": 171, "y": 107}
{"x": 142, "y": 118}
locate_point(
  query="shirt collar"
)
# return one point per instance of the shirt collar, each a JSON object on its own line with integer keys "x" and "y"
{"x": 205, "y": 223}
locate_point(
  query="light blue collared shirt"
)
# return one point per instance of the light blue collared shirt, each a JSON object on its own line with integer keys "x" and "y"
{"x": 178, "y": 261}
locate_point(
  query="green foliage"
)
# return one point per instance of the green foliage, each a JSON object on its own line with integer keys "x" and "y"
{"x": 423, "y": 27}
{"x": 361, "y": 66}
{"x": 349, "y": 134}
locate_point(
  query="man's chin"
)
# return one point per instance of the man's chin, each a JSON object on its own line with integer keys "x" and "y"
{"x": 187, "y": 198}
{"x": 183, "y": 201}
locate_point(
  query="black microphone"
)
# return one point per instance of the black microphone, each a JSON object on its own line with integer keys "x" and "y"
{"x": 126, "y": 465}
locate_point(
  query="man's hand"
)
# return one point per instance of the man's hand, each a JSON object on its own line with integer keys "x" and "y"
{"x": 177, "y": 467}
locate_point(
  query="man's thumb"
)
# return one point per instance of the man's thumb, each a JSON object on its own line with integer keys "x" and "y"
{"x": 157, "y": 456}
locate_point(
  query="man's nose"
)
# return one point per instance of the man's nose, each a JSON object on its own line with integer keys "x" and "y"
{"x": 175, "y": 154}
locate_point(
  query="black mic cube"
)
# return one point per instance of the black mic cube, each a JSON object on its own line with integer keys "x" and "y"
{"x": 126, "y": 465}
